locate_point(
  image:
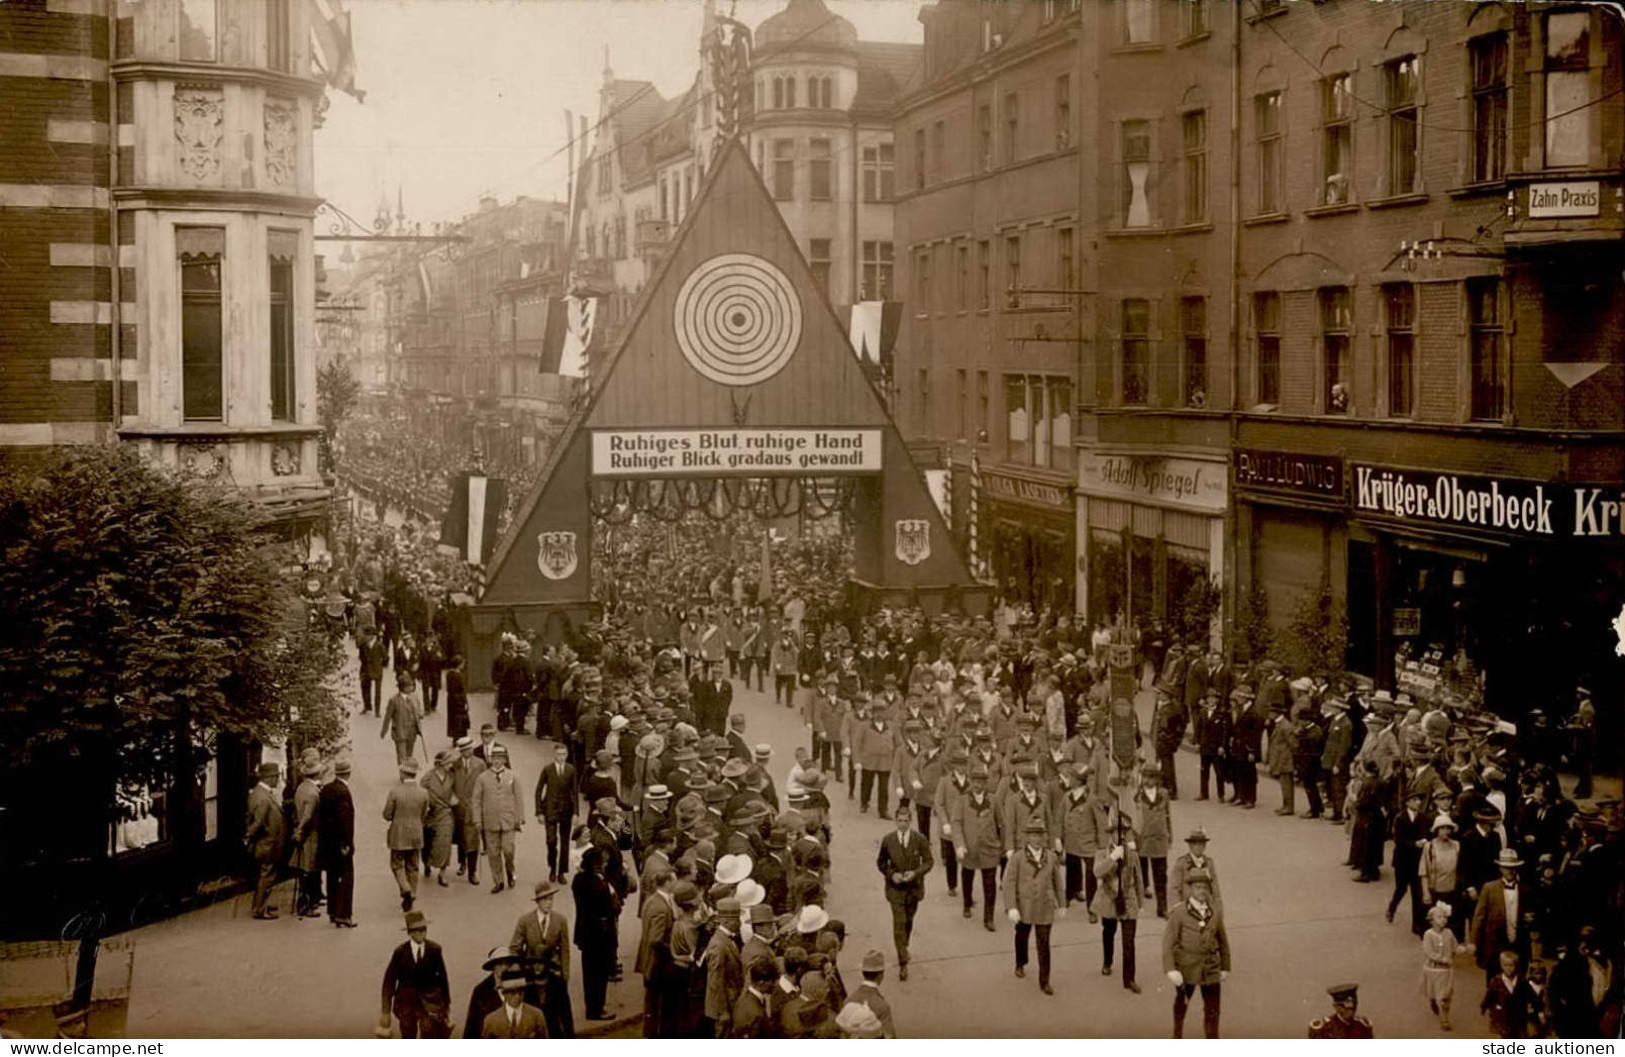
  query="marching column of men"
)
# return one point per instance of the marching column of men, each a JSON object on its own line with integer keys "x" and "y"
{"x": 1041, "y": 787}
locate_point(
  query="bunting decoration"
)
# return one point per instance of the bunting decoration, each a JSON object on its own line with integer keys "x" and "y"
{"x": 730, "y": 77}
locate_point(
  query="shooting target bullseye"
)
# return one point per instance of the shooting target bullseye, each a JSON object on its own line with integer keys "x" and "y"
{"x": 737, "y": 319}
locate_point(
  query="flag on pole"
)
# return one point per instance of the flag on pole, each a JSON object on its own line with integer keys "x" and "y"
{"x": 333, "y": 46}
{"x": 470, "y": 524}
{"x": 567, "y": 335}
{"x": 764, "y": 580}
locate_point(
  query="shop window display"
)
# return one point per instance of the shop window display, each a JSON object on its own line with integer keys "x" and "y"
{"x": 1434, "y": 616}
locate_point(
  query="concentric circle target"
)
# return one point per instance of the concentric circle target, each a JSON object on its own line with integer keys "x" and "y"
{"x": 737, "y": 319}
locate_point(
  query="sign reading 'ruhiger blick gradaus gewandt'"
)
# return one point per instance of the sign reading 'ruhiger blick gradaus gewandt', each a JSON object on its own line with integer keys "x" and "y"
{"x": 755, "y": 452}
{"x": 1525, "y": 508}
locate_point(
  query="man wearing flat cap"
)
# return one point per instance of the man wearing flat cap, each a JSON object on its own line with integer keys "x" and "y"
{"x": 1345, "y": 1021}
{"x": 541, "y": 942}
{"x": 264, "y": 836}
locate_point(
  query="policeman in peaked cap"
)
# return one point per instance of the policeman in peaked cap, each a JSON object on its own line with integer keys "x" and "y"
{"x": 1345, "y": 1021}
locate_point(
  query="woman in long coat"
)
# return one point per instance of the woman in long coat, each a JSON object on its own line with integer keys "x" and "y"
{"x": 456, "y": 698}
{"x": 1366, "y": 840}
{"x": 441, "y": 785}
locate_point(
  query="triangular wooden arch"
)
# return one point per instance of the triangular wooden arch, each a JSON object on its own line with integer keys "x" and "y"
{"x": 649, "y": 383}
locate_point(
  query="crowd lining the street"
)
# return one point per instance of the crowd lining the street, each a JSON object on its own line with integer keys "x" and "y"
{"x": 1002, "y": 749}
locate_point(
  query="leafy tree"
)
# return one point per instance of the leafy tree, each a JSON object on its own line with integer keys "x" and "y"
{"x": 337, "y": 392}
{"x": 1253, "y": 632}
{"x": 145, "y": 616}
{"x": 1315, "y": 638}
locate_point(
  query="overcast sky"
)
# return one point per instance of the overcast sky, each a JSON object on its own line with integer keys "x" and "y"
{"x": 467, "y": 97}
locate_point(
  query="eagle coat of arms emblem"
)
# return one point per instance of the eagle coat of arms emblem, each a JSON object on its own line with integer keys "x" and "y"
{"x": 556, "y": 554}
{"x": 913, "y": 540}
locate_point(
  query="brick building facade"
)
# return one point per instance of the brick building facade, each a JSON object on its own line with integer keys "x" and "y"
{"x": 997, "y": 231}
{"x": 1326, "y": 253}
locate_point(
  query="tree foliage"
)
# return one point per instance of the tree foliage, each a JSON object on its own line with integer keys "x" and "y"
{"x": 337, "y": 392}
{"x": 141, "y": 606}
{"x": 1315, "y": 638}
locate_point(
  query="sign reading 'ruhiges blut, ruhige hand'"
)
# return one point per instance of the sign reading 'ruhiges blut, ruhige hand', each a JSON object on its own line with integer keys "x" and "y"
{"x": 755, "y": 452}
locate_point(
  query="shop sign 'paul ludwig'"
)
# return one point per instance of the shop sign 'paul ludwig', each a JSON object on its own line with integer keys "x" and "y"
{"x": 1525, "y": 508}
{"x": 556, "y": 554}
{"x": 1320, "y": 476}
{"x": 913, "y": 540}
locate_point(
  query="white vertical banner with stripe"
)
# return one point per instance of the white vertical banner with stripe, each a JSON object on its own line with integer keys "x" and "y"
{"x": 476, "y": 520}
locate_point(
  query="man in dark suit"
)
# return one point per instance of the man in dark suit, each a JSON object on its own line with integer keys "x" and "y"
{"x": 556, "y": 810}
{"x": 517, "y": 1019}
{"x": 1212, "y": 721}
{"x": 416, "y": 988}
{"x": 335, "y": 845}
{"x": 1501, "y": 918}
{"x": 370, "y": 654}
{"x": 1480, "y": 850}
{"x": 654, "y": 946}
{"x": 711, "y": 709}
{"x": 904, "y": 861}
{"x": 541, "y": 940}
{"x": 1196, "y": 679}
{"x": 738, "y": 747}
{"x": 265, "y": 835}
{"x": 1410, "y": 833}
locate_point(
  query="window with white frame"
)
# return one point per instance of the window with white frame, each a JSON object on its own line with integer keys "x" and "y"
{"x": 1336, "y": 328}
{"x": 818, "y": 261}
{"x": 1271, "y": 153}
{"x": 879, "y": 173}
{"x": 877, "y": 271}
{"x": 1136, "y": 351}
{"x": 1488, "y": 56}
{"x": 1568, "y": 79}
{"x": 1136, "y": 174}
{"x": 1193, "y": 170}
{"x": 1337, "y": 139}
{"x": 819, "y": 168}
{"x": 1402, "y": 81}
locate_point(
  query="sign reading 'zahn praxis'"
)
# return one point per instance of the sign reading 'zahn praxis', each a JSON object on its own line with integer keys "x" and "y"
{"x": 758, "y": 452}
{"x": 1525, "y": 508}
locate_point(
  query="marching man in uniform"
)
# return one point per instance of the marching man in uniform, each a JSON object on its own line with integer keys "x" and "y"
{"x": 1196, "y": 953}
{"x": 1034, "y": 896}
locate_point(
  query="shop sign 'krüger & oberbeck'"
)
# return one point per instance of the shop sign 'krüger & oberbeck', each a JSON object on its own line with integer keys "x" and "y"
{"x": 1525, "y": 508}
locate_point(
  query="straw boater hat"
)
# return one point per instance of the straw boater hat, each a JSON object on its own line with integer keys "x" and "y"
{"x": 732, "y": 869}
{"x": 749, "y": 893}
